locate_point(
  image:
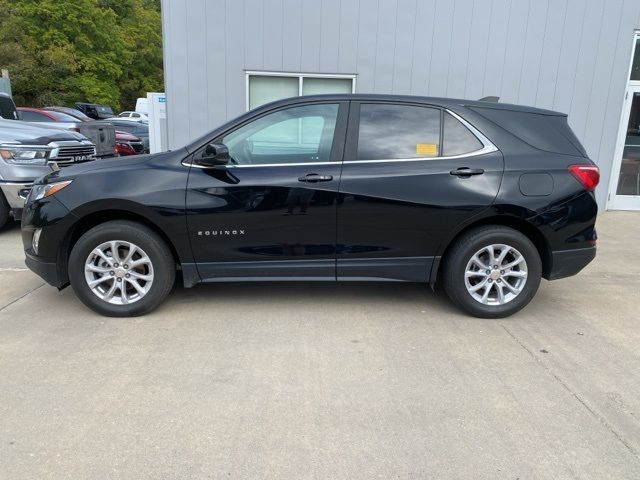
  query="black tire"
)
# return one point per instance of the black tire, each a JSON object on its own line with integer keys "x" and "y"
{"x": 5, "y": 211}
{"x": 164, "y": 267}
{"x": 461, "y": 252}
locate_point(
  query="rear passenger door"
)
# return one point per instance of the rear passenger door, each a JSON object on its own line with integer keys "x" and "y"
{"x": 411, "y": 174}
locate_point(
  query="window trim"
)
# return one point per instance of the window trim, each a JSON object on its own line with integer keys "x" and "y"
{"x": 301, "y": 76}
{"x": 354, "y": 127}
{"x": 337, "y": 147}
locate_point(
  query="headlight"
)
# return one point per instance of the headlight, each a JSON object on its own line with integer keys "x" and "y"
{"x": 24, "y": 155}
{"x": 39, "y": 192}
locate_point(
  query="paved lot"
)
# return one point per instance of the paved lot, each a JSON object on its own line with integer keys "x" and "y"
{"x": 325, "y": 381}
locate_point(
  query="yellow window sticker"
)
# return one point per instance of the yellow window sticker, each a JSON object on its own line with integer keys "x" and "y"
{"x": 426, "y": 149}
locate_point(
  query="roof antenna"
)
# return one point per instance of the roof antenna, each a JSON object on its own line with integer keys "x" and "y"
{"x": 490, "y": 99}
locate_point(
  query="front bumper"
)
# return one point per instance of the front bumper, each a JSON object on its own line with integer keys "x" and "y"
{"x": 15, "y": 193}
{"x": 566, "y": 263}
{"x": 47, "y": 271}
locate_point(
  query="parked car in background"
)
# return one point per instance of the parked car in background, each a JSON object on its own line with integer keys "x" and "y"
{"x": 25, "y": 149}
{"x": 139, "y": 129}
{"x": 141, "y": 117}
{"x": 95, "y": 110}
{"x": 101, "y": 135}
{"x": 489, "y": 198}
{"x": 74, "y": 112}
{"x": 127, "y": 144}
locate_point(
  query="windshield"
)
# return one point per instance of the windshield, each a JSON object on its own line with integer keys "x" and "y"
{"x": 104, "y": 109}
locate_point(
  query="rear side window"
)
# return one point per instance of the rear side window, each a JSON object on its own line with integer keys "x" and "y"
{"x": 394, "y": 132}
{"x": 458, "y": 139}
{"x": 29, "y": 116}
{"x": 550, "y": 133}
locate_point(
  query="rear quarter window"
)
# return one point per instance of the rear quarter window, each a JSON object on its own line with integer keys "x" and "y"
{"x": 458, "y": 139}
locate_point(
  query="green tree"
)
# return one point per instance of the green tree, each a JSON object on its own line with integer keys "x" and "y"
{"x": 63, "y": 51}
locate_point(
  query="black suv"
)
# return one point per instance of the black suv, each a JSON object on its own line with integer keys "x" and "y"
{"x": 487, "y": 197}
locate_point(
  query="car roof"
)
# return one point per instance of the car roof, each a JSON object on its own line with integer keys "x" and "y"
{"x": 437, "y": 101}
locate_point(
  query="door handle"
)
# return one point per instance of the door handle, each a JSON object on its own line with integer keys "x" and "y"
{"x": 314, "y": 177}
{"x": 466, "y": 171}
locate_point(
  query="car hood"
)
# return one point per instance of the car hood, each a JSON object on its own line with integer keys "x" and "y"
{"x": 118, "y": 164}
{"x": 16, "y": 131}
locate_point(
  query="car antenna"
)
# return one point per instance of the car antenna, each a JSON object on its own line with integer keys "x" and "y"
{"x": 490, "y": 99}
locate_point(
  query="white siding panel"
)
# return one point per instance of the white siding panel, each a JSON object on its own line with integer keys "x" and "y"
{"x": 291, "y": 35}
{"x": 403, "y": 48}
{"x": 329, "y": 36}
{"x": 272, "y": 29}
{"x": 441, "y": 48}
{"x": 459, "y": 51}
{"x": 385, "y": 47}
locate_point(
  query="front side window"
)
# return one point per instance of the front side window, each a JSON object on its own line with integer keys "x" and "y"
{"x": 458, "y": 139}
{"x": 394, "y": 132}
{"x": 300, "y": 134}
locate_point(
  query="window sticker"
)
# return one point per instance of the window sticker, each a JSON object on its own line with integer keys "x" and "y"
{"x": 427, "y": 149}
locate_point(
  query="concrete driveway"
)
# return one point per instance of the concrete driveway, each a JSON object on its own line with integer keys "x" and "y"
{"x": 325, "y": 381}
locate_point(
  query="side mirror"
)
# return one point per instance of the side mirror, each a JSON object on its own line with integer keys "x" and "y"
{"x": 214, "y": 155}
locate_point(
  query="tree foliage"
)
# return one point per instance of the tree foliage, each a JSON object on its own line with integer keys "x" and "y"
{"x": 63, "y": 51}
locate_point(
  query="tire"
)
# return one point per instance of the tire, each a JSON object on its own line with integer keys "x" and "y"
{"x": 484, "y": 291}
{"x": 152, "y": 269}
{"x": 5, "y": 211}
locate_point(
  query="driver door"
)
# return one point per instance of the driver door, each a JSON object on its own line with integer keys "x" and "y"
{"x": 270, "y": 213}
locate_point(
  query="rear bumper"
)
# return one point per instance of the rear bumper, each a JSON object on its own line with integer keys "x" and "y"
{"x": 566, "y": 263}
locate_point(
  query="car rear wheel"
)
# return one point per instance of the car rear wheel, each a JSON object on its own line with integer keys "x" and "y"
{"x": 492, "y": 272}
{"x": 121, "y": 269}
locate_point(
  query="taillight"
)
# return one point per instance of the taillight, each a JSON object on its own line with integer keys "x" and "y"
{"x": 587, "y": 175}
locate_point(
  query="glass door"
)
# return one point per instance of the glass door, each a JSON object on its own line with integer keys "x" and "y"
{"x": 626, "y": 190}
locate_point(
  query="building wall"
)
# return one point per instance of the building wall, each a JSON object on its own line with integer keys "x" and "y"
{"x": 566, "y": 55}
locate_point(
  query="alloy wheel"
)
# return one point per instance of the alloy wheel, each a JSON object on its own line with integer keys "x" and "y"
{"x": 119, "y": 272}
{"x": 496, "y": 274}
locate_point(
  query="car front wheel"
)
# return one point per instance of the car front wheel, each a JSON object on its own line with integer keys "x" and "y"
{"x": 121, "y": 269}
{"x": 492, "y": 272}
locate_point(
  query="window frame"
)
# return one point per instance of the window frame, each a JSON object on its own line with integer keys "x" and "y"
{"x": 337, "y": 146}
{"x": 300, "y": 76}
{"x": 351, "y": 150}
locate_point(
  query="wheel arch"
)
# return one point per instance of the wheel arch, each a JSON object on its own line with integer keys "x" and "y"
{"x": 526, "y": 228}
{"x": 95, "y": 218}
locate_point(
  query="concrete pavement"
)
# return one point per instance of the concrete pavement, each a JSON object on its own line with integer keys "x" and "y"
{"x": 325, "y": 380}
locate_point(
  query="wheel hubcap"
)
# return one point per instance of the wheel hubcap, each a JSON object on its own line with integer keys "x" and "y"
{"x": 119, "y": 272}
{"x": 496, "y": 274}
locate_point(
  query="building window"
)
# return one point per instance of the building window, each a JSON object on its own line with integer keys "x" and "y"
{"x": 265, "y": 87}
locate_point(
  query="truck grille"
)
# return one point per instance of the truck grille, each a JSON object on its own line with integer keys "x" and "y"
{"x": 137, "y": 147}
{"x": 81, "y": 153}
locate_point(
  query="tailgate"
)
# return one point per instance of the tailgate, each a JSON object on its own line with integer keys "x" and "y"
{"x": 103, "y": 137}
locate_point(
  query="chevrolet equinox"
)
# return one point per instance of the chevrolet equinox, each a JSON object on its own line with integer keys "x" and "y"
{"x": 486, "y": 197}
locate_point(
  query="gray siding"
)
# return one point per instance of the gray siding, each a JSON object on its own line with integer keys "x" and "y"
{"x": 567, "y": 55}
